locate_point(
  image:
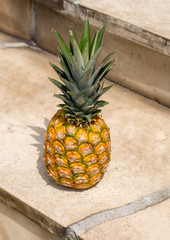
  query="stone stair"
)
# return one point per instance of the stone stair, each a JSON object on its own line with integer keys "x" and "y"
{"x": 140, "y": 35}
{"x": 131, "y": 201}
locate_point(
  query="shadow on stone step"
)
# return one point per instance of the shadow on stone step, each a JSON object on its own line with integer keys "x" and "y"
{"x": 40, "y": 137}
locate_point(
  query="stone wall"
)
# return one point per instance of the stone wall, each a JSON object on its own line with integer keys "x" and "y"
{"x": 15, "y": 18}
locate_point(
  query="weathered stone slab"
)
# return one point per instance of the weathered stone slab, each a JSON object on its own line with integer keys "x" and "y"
{"x": 152, "y": 223}
{"x": 15, "y": 17}
{"x": 146, "y": 24}
{"x": 127, "y": 19}
{"x": 139, "y": 132}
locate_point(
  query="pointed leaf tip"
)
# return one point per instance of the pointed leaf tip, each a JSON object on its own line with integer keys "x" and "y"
{"x": 63, "y": 46}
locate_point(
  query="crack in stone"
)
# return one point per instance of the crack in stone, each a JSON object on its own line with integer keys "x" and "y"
{"x": 71, "y": 235}
{"x": 33, "y": 21}
{"x": 119, "y": 212}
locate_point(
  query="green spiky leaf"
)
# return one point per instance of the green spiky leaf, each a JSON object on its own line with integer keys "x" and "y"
{"x": 85, "y": 54}
{"x": 82, "y": 82}
{"x": 76, "y": 70}
{"x": 63, "y": 98}
{"x": 93, "y": 46}
{"x": 86, "y": 36}
{"x": 58, "y": 84}
{"x": 100, "y": 37}
{"x": 76, "y": 50}
{"x": 100, "y": 93}
{"x": 63, "y": 46}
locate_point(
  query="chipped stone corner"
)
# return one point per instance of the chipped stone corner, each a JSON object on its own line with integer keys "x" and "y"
{"x": 71, "y": 235}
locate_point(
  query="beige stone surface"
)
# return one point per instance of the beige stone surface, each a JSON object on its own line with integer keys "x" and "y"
{"x": 150, "y": 15}
{"x": 139, "y": 132}
{"x": 151, "y": 224}
{"x": 14, "y": 226}
{"x": 15, "y": 18}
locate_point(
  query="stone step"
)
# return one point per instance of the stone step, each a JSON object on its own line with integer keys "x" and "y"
{"x": 140, "y": 152}
{"x": 139, "y": 226}
{"x": 140, "y": 36}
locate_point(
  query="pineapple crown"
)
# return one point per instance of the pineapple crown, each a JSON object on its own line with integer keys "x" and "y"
{"x": 82, "y": 83}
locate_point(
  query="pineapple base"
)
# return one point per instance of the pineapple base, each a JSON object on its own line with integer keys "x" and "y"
{"x": 76, "y": 156}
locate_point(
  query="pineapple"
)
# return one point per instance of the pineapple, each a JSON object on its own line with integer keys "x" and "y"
{"x": 77, "y": 143}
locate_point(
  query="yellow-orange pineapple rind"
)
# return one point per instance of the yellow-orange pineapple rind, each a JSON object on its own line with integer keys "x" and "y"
{"x": 76, "y": 157}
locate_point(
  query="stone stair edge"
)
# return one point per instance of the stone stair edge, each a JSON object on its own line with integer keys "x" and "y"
{"x": 75, "y": 230}
{"x": 31, "y": 213}
{"x": 115, "y": 26}
{"x": 37, "y": 217}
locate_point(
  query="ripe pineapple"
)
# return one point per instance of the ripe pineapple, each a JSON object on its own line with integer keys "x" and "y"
{"x": 77, "y": 144}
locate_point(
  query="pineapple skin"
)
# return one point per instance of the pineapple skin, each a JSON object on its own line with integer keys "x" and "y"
{"x": 76, "y": 156}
